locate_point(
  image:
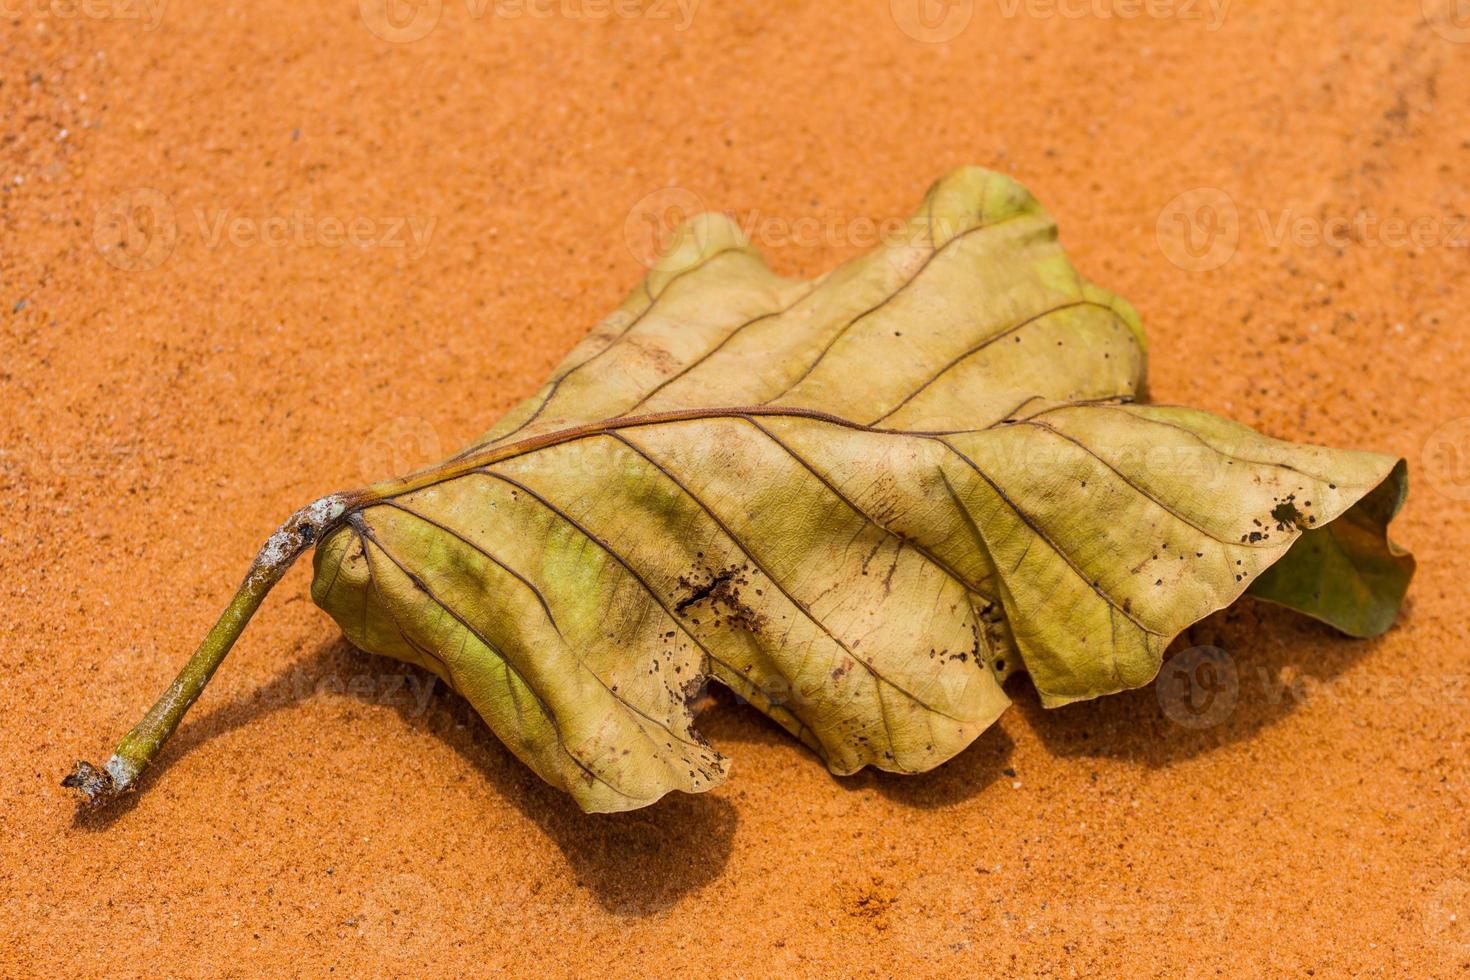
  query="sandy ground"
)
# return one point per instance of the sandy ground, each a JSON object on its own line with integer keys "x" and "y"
{"x": 354, "y": 252}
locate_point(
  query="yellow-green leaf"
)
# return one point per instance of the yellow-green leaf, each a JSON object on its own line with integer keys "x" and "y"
{"x": 859, "y": 502}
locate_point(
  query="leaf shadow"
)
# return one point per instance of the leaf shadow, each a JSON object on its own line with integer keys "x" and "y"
{"x": 1269, "y": 649}
{"x": 634, "y": 864}
{"x": 727, "y": 718}
{"x": 640, "y": 863}
{"x": 962, "y": 778}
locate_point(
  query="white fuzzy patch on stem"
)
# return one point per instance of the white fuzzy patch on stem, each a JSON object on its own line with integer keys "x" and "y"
{"x": 304, "y": 528}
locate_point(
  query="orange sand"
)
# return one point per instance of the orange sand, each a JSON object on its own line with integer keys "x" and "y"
{"x": 157, "y": 423}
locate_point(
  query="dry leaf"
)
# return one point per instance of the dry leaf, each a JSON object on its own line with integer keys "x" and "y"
{"x": 860, "y": 503}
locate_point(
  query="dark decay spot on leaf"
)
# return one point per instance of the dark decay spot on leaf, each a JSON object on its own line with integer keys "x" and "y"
{"x": 1287, "y": 515}
{"x": 698, "y": 593}
{"x": 722, "y": 591}
{"x": 692, "y": 690}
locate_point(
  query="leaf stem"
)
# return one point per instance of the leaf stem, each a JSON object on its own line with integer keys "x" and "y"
{"x": 141, "y": 745}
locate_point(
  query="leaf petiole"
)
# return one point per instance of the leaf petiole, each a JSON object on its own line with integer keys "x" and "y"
{"x": 141, "y": 745}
